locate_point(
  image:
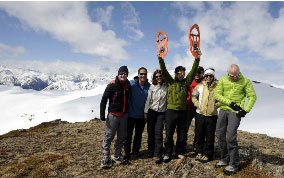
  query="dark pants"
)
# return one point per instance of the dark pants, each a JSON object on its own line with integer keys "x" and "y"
{"x": 189, "y": 116}
{"x": 175, "y": 119}
{"x": 226, "y": 132}
{"x": 205, "y": 134}
{"x": 155, "y": 126}
{"x": 139, "y": 125}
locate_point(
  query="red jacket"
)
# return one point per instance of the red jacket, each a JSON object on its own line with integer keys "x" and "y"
{"x": 190, "y": 105}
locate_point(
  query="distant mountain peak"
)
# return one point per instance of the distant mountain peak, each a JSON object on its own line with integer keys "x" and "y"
{"x": 36, "y": 80}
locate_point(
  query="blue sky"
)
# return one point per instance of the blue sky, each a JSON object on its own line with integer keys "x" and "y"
{"x": 90, "y": 35}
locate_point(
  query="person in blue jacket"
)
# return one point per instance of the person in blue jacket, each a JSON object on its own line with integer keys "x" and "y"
{"x": 137, "y": 99}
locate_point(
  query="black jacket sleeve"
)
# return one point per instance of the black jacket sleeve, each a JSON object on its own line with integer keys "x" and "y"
{"x": 105, "y": 97}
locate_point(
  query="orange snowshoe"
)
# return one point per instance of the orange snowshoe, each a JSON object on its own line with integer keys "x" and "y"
{"x": 194, "y": 40}
{"x": 162, "y": 44}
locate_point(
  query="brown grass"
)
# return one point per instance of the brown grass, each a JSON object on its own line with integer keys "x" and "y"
{"x": 60, "y": 149}
{"x": 42, "y": 165}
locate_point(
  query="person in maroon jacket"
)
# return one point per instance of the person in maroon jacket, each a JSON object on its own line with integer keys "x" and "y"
{"x": 191, "y": 109}
{"x": 117, "y": 94}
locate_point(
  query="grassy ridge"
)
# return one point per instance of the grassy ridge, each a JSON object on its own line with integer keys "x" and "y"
{"x": 61, "y": 149}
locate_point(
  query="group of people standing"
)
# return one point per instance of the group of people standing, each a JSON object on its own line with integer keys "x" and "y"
{"x": 170, "y": 104}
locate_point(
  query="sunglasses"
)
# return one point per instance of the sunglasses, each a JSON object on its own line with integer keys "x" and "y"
{"x": 208, "y": 76}
{"x": 158, "y": 76}
{"x": 234, "y": 76}
{"x": 142, "y": 73}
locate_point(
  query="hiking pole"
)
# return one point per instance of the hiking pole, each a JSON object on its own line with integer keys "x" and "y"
{"x": 194, "y": 40}
{"x": 162, "y": 44}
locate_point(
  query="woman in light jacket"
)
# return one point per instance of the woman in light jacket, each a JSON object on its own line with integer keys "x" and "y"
{"x": 206, "y": 118}
{"x": 155, "y": 109}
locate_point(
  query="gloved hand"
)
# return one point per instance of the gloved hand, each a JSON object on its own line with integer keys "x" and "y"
{"x": 235, "y": 107}
{"x": 241, "y": 113}
{"x": 103, "y": 118}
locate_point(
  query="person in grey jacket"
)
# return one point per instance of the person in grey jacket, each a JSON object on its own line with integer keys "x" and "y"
{"x": 155, "y": 109}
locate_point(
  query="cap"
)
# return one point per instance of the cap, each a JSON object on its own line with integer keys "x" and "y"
{"x": 123, "y": 69}
{"x": 209, "y": 71}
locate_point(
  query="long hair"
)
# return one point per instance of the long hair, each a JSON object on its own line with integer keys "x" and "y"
{"x": 154, "y": 79}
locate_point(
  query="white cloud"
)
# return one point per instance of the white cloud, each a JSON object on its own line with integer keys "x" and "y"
{"x": 11, "y": 51}
{"x": 206, "y": 61}
{"x": 131, "y": 22}
{"x": 103, "y": 16}
{"x": 188, "y": 7}
{"x": 69, "y": 22}
{"x": 229, "y": 29}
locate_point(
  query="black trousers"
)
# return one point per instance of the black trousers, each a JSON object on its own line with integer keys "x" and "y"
{"x": 155, "y": 127}
{"x": 175, "y": 120}
{"x": 189, "y": 116}
{"x": 138, "y": 125}
{"x": 205, "y": 134}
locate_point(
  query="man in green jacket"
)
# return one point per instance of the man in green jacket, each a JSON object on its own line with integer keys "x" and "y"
{"x": 232, "y": 91}
{"x": 176, "y": 107}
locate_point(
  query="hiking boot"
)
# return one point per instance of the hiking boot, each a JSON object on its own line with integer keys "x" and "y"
{"x": 166, "y": 159}
{"x": 159, "y": 160}
{"x": 125, "y": 160}
{"x": 175, "y": 156}
{"x": 117, "y": 159}
{"x": 221, "y": 163}
{"x": 198, "y": 156}
{"x": 230, "y": 170}
{"x": 205, "y": 159}
{"x": 150, "y": 155}
{"x": 106, "y": 163}
{"x": 127, "y": 156}
{"x": 136, "y": 154}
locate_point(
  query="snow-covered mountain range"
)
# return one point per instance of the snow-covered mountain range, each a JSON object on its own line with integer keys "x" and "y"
{"x": 36, "y": 80}
{"x": 76, "y": 98}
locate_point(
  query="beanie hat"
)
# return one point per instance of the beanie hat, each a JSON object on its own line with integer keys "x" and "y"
{"x": 123, "y": 69}
{"x": 179, "y": 68}
{"x": 200, "y": 70}
{"x": 209, "y": 71}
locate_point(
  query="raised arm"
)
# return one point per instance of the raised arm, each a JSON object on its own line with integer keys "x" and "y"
{"x": 168, "y": 78}
{"x": 191, "y": 74}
